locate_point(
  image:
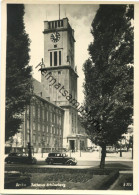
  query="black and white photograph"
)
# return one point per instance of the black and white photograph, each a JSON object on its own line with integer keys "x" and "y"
{"x": 69, "y": 97}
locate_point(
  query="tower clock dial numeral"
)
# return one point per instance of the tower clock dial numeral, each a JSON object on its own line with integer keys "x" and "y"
{"x": 55, "y": 37}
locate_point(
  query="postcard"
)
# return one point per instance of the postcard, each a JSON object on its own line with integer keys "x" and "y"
{"x": 69, "y": 97}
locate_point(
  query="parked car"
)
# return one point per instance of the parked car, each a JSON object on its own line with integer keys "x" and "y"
{"x": 122, "y": 150}
{"x": 111, "y": 150}
{"x": 96, "y": 148}
{"x": 60, "y": 158}
{"x": 20, "y": 158}
{"x": 89, "y": 149}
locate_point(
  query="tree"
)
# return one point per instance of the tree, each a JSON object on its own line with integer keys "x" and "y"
{"x": 18, "y": 72}
{"x": 108, "y": 85}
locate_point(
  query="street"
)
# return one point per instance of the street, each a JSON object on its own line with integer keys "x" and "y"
{"x": 84, "y": 160}
{"x": 122, "y": 165}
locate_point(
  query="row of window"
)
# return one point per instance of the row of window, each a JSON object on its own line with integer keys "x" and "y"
{"x": 44, "y": 115}
{"x": 45, "y": 140}
{"x": 40, "y": 105}
{"x": 44, "y": 128}
{"x": 55, "y": 24}
{"x": 55, "y": 58}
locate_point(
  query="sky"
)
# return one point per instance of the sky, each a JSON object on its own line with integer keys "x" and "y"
{"x": 80, "y": 18}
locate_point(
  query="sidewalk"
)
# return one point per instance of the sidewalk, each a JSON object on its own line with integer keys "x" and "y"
{"x": 91, "y": 156}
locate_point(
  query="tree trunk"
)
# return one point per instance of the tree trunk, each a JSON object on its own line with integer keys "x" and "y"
{"x": 103, "y": 155}
{"x": 132, "y": 151}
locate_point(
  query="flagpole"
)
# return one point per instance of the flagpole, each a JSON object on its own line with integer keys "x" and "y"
{"x": 59, "y": 11}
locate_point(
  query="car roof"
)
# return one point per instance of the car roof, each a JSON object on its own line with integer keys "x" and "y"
{"x": 57, "y": 153}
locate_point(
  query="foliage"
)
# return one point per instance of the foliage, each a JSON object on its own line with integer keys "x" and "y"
{"x": 108, "y": 85}
{"x": 18, "y": 73}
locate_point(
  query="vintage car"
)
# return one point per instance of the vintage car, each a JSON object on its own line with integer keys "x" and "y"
{"x": 60, "y": 158}
{"x": 110, "y": 149}
{"x": 20, "y": 158}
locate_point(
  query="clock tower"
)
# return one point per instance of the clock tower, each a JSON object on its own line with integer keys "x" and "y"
{"x": 59, "y": 63}
{"x": 58, "y": 43}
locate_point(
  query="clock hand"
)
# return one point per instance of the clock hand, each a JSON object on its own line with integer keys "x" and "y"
{"x": 55, "y": 35}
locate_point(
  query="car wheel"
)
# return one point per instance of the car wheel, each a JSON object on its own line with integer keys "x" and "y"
{"x": 51, "y": 162}
{"x": 69, "y": 163}
{"x": 34, "y": 162}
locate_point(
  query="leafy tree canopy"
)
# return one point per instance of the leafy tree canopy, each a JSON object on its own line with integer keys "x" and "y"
{"x": 18, "y": 73}
{"x": 108, "y": 85}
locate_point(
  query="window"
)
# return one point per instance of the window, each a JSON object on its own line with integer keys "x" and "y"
{"x": 58, "y": 23}
{"x": 47, "y": 115}
{"x": 49, "y": 25}
{"x": 39, "y": 112}
{"x": 55, "y": 24}
{"x": 47, "y": 129}
{"x": 27, "y": 138}
{"x": 34, "y": 126}
{"x": 60, "y": 119}
{"x": 38, "y": 127}
{"x": 27, "y": 124}
{"x": 39, "y": 139}
{"x": 43, "y": 138}
{"x": 55, "y": 58}
{"x": 34, "y": 138}
{"x": 43, "y": 128}
{"x": 33, "y": 111}
{"x": 46, "y": 140}
{"x": 50, "y": 116}
{"x": 43, "y": 115}
{"x": 59, "y": 58}
{"x": 50, "y": 58}
{"x": 61, "y": 22}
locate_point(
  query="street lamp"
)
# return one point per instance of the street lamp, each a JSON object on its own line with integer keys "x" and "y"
{"x": 79, "y": 142}
{"x": 42, "y": 146}
{"x": 120, "y": 148}
{"x": 29, "y": 143}
{"x": 16, "y": 143}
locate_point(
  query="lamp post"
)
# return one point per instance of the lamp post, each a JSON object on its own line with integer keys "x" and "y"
{"x": 42, "y": 147}
{"x": 16, "y": 142}
{"x": 29, "y": 143}
{"x": 120, "y": 148}
{"x": 79, "y": 142}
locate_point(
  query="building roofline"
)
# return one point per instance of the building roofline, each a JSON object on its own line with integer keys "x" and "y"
{"x": 41, "y": 98}
{"x": 58, "y": 67}
{"x": 55, "y": 20}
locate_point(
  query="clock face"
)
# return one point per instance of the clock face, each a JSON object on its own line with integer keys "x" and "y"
{"x": 55, "y": 37}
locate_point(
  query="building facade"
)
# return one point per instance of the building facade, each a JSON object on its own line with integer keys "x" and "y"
{"x": 44, "y": 122}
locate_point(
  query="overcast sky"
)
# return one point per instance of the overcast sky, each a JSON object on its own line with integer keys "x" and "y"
{"x": 80, "y": 18}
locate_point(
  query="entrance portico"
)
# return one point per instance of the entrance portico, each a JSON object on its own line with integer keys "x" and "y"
{"x": 76, "y": 142}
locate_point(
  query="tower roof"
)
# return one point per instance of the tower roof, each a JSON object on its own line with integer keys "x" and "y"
{"x": 58, "y": 25}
